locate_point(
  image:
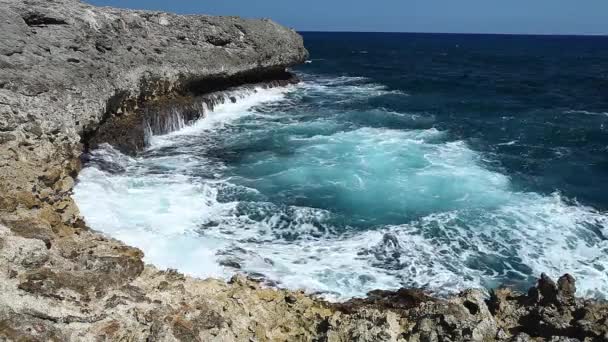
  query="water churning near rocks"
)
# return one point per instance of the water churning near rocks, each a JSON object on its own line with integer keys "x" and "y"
{"x": 287, "y": 187}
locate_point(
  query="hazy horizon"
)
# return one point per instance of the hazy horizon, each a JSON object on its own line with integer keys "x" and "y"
{"x": 543, "y": 17}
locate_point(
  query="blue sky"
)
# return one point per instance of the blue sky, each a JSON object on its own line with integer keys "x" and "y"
{"x": 475, "y": 16}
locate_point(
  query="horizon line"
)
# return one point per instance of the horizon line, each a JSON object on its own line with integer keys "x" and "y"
{"x": 465, "y": 33}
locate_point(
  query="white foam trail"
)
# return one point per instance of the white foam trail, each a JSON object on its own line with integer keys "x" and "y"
{"x": 586, "y": 112}
{"x": 350, "y": 92}
{"x": 227, "y": 112}
{"x": 347, "y": 88}
{"x": 510, "y": 143}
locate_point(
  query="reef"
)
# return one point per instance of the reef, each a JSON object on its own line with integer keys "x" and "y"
{"x": 73, "y": 76}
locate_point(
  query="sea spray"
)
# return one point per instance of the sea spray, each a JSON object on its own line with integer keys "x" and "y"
{"x": 268, "y": 186}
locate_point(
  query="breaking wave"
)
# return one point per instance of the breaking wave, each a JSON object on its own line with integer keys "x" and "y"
{"x": 298, "y": 187}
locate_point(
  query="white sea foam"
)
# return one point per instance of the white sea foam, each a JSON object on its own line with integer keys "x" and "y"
{"x": 510, "y": 143}
{"x": 586, "y": 112}
{"x": 229, "y": 111}
{"x": 155, "y": 214}
{"x": 351, "y": 92}
{"x": 347, "y": 88}
{"x": 163, "y": 216}
{"x": 473, "y": 229}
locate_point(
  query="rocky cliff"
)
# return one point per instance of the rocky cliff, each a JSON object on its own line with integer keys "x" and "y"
{"x": 72, "y": 75}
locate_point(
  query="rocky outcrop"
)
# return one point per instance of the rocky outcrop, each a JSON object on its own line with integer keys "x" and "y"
{"x": 66, "y": 66}
{"x": 73, "y": 74}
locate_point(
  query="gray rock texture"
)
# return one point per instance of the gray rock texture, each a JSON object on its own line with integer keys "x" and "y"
{"x": 64, "y": 64}
{"x": 72, "y": 74}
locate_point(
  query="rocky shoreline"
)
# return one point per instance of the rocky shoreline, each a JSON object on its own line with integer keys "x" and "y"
{"x": 73, "y": 76}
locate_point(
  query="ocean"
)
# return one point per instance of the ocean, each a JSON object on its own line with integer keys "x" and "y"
{"x": 434, "y": 161}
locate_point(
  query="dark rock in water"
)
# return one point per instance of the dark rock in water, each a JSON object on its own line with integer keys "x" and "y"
{"x": 390, "y": 241}
{"x": 231, "y": 263}
{"x": 566, "y": 289}
{"x": 259, "y": 277}
{"x": 107, "y": 159}
{"x": 291, "y": 299}
{"x": 547, "y": 290}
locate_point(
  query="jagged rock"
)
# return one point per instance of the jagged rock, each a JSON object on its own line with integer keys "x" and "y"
{"x": 545, "y": 291}
{"x": 402, "y": 299}
{"x": 566, "y": 290}
{"x": 20, "y": 327}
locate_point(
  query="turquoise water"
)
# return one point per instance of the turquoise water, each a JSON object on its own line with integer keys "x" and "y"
{"x": 375, "y": 175}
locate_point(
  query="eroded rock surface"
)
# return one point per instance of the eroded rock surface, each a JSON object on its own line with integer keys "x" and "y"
{"x": 70, "y": 74}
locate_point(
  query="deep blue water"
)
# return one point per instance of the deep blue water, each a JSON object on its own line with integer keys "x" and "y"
{"x": 547, "y": 94}
{"x": 425, "y": 160}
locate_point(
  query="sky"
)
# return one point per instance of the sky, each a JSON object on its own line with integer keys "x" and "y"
{"x": 453, "y": 16}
